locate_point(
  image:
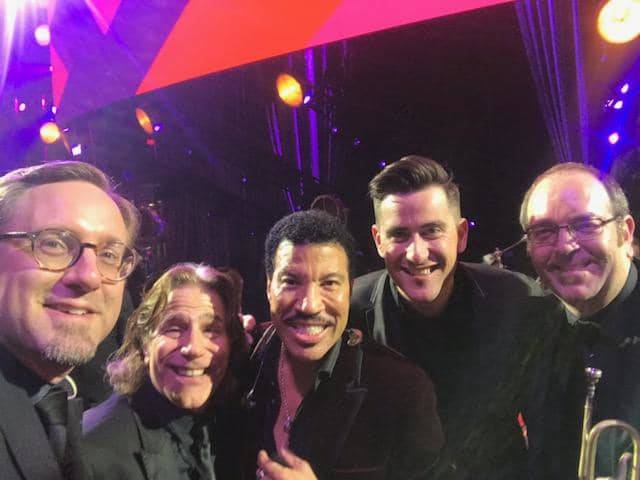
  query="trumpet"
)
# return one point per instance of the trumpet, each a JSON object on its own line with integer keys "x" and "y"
{"x": 590, "y": 436}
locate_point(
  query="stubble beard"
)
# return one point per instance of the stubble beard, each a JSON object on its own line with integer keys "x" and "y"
{"x": 71, "y": 347}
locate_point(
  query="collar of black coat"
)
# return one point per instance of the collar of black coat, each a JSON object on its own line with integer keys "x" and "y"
{"x": 157, "y": 412}
{"x": 267, "y": 353}
{"x": 19, "y": 375}
{"x": 461, "y": 294}
{"x": 611, "y": 322}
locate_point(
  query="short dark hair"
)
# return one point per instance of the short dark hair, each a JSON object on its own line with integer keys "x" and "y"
{"x": 15, "y": 183}
{"x": 410, "y": 174}
{"x": 619, "y": 202}
{"x": 308, "y": 227}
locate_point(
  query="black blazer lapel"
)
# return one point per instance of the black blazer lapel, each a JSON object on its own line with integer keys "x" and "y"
{"x": 154, "y": 453}
{"x": 337, "y": 408}
{"x": 25, "y": 435}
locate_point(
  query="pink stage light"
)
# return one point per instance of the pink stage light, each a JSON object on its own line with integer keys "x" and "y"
{"x": 618, "y": 105}
{"x": 22, "y": 107}
{"x": 625, "y": 88}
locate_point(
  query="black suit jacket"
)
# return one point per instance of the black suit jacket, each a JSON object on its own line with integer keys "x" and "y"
{"x": 374, "y": 418}
{"x": 123, "y": 439}
{"x": 552, "y": 352}
{"x": 482, "y": 442}
{"x": 25, "y": 453}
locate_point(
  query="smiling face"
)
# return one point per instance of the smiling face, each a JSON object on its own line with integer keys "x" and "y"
{"x": 309, "y": 297}
{"x": 52, "y": 321}
{"x": 585, "y": 274}
{"x": 188, "y": 354}
{"x": 419, "y": 237}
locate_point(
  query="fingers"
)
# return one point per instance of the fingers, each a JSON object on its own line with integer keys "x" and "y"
{"x": 292, "y": 467}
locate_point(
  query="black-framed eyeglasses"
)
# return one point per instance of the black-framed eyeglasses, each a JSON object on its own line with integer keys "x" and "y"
{"x": 56, "y": 250}
{"x": 547, "y": 234}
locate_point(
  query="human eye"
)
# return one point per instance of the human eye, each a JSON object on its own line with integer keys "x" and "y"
{"x": 214, "y": 330}
{"x": 52, "y": 243}
{"x": 542, "y": 233}
{"x": 331, "y": 283}
{"x": 398, "y": 235}
{"x": 172, "y": 327}
{"x": 289, "y": 281}
{"x": 587, "y": 226}
{"x": 431, "y": 232}
{"x": 111, "y": 254}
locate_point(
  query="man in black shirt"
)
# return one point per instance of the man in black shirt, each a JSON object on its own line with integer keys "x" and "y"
{"x": 579, "y": 236}
{"x": 455, "y": 319}
{"x": 350, "y": 408}
{"x": 65, "y": 249}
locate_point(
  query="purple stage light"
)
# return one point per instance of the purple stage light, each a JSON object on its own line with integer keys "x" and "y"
{"x": 624, "y": 88}
{"x": 157, "y": 127}
{"x": 613, "y": 138}
{"x": 42, "y": 35}
{"x": 22, "y": 107}
{"x": 334, "y": 130}
{"x": 382, "y": 163}
{"x": 472, "y": 223}
{"x": 306, "y": 99}
{"x": 54, "y": 109}
{"x": 618, "y": 105}
{"x": 356, "y": 142}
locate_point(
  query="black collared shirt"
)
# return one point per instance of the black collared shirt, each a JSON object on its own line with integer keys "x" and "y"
{"x": 604, "y": 340}
{"x": 303, "y": 420}
{"x": 157, "y": 411}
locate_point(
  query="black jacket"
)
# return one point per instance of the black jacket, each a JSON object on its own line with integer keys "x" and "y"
{"x": 25, "y": 453}
{"x": 373, "y": 418}
{"x": 124, "y": 438}
{"x": 475, "y": 338}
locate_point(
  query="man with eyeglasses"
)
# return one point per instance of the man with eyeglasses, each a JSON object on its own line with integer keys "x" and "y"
{"x": 65, "y": 249}
{"x": 579, "y": 236}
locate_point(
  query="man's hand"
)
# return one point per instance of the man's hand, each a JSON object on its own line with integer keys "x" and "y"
{"x": 249, "y": 325}
{"x": 291, "y": 467}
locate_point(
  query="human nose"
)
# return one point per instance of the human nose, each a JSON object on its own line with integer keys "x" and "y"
{"x": 310, "y": 300}
{"x": 565, "y": 239}
{"x": 84, "y": 274}
{"x": 417, "y": 250}
{"x": 194, "y": 344}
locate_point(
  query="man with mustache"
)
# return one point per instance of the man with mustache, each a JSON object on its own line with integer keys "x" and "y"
{"x": 65, "y": 249}
{"x": 450, "y": 317}
{"x": 325, "y": 403}
{"x": 579, "y": 237}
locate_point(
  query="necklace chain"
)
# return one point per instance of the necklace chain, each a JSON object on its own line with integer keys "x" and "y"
{"x": 288, "y": 420}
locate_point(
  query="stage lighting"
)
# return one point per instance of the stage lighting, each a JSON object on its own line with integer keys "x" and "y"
{"x": 289, "y": 90}
{"x": 619, "y": 20}
{"x": 624, "y": 88}
{"x": 618, "y": 105}
{"x": 49, "y": 133}
{"x": 76, "y": 150}
{"x": 42, "y": 35}
{"x": 144, "y": 120}
{"x": 613, "y": 138}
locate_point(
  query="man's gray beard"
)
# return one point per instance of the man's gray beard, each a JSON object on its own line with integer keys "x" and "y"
{"x": 71, "y": 347}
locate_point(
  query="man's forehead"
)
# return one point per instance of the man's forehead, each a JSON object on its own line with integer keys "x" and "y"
{"x": 290, "y": 255}
{"x": 75, "y": 205}
{"x": 425, "y": 205}
{"x": 573, "y": 192}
